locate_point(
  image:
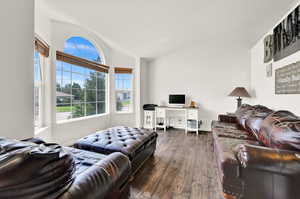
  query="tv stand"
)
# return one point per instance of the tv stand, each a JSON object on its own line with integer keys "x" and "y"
{"x": 178, "y": 117}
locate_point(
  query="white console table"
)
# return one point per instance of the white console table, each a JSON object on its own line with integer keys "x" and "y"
{"x": 184, "y": 118}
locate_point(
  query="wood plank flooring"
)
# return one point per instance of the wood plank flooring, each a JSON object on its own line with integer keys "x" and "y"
{"x": 183, "y": 168}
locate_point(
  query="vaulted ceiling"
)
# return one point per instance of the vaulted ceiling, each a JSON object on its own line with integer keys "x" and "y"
{"x": 151, "y": 28}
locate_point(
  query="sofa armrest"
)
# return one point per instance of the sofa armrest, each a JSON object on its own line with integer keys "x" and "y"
{"x": 268, "y": 159}
{"x": 34, "y": 140}
{"x": 100, "y": 179}
{"x": 227, "y": 118}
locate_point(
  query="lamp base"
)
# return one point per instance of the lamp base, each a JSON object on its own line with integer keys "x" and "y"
{"x": 239, "y": 102}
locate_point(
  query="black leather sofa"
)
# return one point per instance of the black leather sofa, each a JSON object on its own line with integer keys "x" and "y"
{"x": 49, "y": 171}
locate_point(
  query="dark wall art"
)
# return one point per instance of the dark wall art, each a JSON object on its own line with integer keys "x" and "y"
{"x": 287, "y": 79}
{"x": 287, "y": 36}
{"x": 268, "y": 44}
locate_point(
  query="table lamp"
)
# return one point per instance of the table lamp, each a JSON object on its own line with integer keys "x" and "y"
{"x": 239, "y": 92}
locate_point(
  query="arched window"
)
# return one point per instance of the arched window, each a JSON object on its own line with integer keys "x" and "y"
{"x": 83, "y": 48}
{"x": 81, "y": 80}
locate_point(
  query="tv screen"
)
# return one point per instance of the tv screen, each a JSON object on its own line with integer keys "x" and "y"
{"x": 177, "y": 99}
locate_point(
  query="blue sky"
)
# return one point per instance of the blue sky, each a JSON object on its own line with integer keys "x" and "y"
{"x": 81, "y": 47}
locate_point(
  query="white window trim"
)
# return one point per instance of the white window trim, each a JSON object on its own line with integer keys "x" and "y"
{"x": 81, "y": 118}
{"x": 41, "y": 123}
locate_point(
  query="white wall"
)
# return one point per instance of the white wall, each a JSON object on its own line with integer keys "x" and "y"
{"x": 205, "y": 73}
{"x": 16, "y": 54}
{"x": 263, "y": 87}
{"x": 119, "y": 59}
{"x": 42, "y": 28}
{"x": 55, "y": 33}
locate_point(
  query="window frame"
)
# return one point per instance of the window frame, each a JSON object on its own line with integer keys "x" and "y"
{"x": 120, "y": 71}
{"x": 42, "y": 49}
{"x": 95, "y": 67}
{"x": 41, "y": 94}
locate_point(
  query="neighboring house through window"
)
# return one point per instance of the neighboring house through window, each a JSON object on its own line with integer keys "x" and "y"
{"x": 124, "y": 90}
{"x": 81, "y": 80}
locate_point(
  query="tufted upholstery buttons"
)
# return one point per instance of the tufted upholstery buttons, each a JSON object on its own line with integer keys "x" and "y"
{"x": 123, "y": 139}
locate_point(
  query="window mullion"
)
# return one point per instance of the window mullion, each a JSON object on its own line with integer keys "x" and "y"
{"x": 71, "y": 91}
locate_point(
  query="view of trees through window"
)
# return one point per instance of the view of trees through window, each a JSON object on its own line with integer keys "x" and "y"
{"x": 79, "y": 91}
{"x": 123, "y": 84}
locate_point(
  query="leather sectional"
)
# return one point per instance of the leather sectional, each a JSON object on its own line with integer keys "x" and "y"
{"x": 257, "y": 150}
{"x": 33, "y": 169}
{"x": 49, "y": 171}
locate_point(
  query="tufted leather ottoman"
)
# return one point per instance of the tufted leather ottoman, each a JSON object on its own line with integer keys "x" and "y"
{"x": 137, "y": 144}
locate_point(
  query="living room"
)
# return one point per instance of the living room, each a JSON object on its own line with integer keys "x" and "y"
{"x": 105, "y": 94}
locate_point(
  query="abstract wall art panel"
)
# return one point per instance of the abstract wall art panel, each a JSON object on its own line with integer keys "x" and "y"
{"x": 287, "y": 36}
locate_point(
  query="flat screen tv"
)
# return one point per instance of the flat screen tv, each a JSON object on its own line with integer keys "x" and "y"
{"x": 177, "y": 100}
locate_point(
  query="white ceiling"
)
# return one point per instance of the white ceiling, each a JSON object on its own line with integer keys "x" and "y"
{"x": 151, "y": 28}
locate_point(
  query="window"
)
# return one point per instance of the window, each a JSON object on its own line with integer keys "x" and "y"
{"x": 37, "y": 89}
{"x": 123, "y": 89}
{"x": 40, "y": 53}
{"x": 80, "y": 47}
{"x": 81, "y": 81}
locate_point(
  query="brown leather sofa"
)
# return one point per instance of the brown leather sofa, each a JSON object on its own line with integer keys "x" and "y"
{"x": 257, "y": 150}
{"x": 49, "y": 171}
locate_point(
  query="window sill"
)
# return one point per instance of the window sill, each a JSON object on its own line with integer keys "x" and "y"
{"x": 81, "y": 118}
{"x": 40, "y": 130}
{"x": 124, "y": 113}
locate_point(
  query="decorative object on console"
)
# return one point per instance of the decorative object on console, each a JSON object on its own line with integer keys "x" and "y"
{"x": 287, "y": 79}
{"x": 286, "y": 36}
{"x": 193, "y": 104}
{"x": 239, "y": 92}
{"x": 268, "y": 44}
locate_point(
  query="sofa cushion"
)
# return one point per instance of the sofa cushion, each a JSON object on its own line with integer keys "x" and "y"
{"x": 254, "y": 122}
{"x": 32, "y": 171}
{"x": 243, "y": 113}
{"x": 281, "y": 130}
{"x": 251, "y": 117}
{"x": 224, "y": 125}
{"x": 230, "y": 130}
{"x": 97, "y": 175}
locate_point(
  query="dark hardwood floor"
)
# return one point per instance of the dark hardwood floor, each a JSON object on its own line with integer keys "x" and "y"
{"x": 183, "y": 168}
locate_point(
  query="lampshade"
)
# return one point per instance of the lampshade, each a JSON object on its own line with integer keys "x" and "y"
{"x": 239, "y": 92}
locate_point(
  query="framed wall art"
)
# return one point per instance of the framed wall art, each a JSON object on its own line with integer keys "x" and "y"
{"x": 287, "y": 79}
{"x": 287, "y": 36}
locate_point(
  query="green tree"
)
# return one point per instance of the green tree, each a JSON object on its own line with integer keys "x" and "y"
{"x": 90, "y": 90}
